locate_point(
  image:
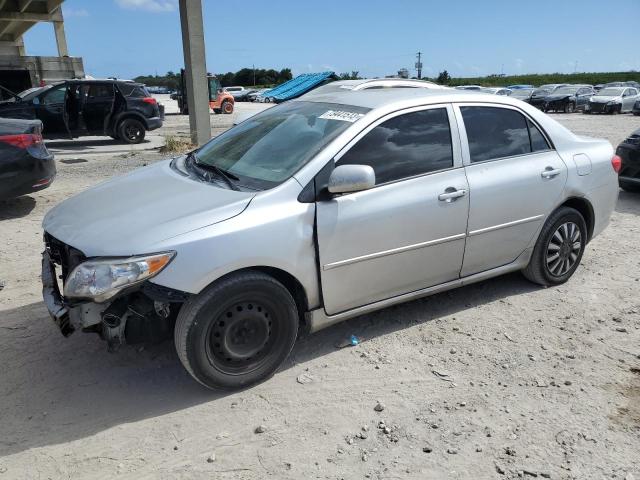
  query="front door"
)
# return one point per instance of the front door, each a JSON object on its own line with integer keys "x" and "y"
{"x": 408, "y": 232}
{"x": 51, "y": 111}
{"x": 515, "y": 179}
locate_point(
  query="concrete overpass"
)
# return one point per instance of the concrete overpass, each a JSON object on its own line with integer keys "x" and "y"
{"x": 19, "y": 71}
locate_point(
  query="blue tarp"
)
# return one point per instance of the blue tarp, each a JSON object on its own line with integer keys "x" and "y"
{"x": 297, "y": 86}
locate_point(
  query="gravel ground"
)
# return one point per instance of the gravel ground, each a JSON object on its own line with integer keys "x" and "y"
{"x": 500, "y": 379}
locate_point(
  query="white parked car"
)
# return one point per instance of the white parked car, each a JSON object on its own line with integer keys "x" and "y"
{"x": 612, "y": 100}
{"x": 320, "y": 209}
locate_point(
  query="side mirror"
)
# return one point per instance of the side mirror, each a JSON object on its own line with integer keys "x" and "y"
{"x": 351, "y": 178}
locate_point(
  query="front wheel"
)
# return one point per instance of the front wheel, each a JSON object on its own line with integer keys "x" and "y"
{"x": 569, "y": 107}
{"x": 236, "y": 332}
{"x": 131, "y": 131}
{"x": 227, "y": 107}
{"x": 559, "y": 248}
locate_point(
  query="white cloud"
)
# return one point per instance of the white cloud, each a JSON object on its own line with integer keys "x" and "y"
{"x": 149, "y": 5}
{"x": 73, "y": 12}
{"x": 519, "y": 63}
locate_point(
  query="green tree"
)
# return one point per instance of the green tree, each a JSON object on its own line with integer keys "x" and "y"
{"x": 443, "y": 78}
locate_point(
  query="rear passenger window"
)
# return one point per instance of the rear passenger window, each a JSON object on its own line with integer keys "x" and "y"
{"x": 495, "y": 133}
{"x": 100, "y": 91}
{"x": 405, "y": 146}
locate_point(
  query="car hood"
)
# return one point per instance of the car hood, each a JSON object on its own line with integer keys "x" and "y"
{"x": 128, "y": 215}
{"x": 604, "y": 99}
{"x": 554, "y": 97}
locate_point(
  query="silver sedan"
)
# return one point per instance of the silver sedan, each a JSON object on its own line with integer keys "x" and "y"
{"x": 342, "y": 202}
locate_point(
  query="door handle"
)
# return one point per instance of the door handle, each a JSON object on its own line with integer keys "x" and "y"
{"x": 450, "y": 194}
{"x": 550, "y": 172}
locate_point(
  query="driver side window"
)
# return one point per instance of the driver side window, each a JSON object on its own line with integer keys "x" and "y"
{"x": 405, "y": 146}
{"x": 54, "y": 96}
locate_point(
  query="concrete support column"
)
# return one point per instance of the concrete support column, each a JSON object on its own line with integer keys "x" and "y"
{"x": 195, "y": 70}
{"x": 20, "y": 45}
{"x": 61, "y": 39}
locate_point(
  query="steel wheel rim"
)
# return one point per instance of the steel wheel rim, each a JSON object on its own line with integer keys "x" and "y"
{"x": 241, "y": 337}
{"x": 563, "y": 249}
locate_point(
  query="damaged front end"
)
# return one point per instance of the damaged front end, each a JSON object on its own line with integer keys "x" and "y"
{"x": 129, "y": 309}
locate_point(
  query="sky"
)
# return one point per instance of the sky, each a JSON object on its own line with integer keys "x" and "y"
{"x": 126, "y": 38}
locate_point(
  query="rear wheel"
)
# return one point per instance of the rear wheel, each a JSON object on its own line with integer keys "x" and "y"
{"x": 131, "y": 130}
{"x": 559, "y": 248}
{"x": 237, "y": 332}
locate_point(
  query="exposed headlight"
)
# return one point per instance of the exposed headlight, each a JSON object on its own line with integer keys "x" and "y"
{"x": 613, "y": 102}
{"x": 101, "y": 279}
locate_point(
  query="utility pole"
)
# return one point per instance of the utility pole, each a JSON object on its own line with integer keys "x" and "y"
{"x": 254, "y": 74}
{"x": 419, "y": 65}
{"x": 575, "y": 67}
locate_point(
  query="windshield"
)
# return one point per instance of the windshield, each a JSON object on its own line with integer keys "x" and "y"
{"x": 610, "y": 92}
{"x": 566, "y": 91}
{"x": 521, "y": 92}
{"x": 270, "y": 147}
{"x": 28, "y": 91}
{"x": 541, "y": 91}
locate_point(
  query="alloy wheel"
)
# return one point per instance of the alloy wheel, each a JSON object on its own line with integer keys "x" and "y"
{"x": 563, "y": 249}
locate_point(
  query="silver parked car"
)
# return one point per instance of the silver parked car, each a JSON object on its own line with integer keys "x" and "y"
{"x": 320, "y": 209}
{"x": 612, "y": 100}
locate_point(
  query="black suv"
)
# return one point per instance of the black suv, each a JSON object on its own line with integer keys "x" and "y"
{"x": 120, "y": 109}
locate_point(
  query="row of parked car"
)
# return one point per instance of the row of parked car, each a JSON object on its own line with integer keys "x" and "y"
{"x": 614, "y": 97}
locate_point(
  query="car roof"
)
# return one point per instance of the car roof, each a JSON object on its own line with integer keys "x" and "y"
{"x": 402, "y": 97}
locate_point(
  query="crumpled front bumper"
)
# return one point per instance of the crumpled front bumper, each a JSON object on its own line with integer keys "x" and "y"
{"x": 52, "y": 298}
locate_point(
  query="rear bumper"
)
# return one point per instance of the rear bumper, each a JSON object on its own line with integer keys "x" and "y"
{"x": 153, "y": 123}
{"x": 25, "y": 175}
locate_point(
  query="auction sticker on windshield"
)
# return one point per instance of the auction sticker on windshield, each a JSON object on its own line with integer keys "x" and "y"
{"x": 341, "y": 115}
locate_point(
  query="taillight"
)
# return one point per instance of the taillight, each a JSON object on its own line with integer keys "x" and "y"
{"x": 23, "y": 140}
{"x": 616, "y": 163}
{"x": 149, "y": 100}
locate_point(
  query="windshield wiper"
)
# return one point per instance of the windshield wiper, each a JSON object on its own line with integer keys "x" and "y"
{"x": 228, "y": 177}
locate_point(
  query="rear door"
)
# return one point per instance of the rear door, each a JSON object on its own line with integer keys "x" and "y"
{"x": 515, "y": 179}
{"x": 97, "y": 106}
{"x": 404, "y": 234}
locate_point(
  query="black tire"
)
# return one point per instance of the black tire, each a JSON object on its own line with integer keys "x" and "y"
{"x": 131, "y": 131}
{"x": 226, "y": 107}
{"x": 569, "y": 107}
{"x": 237, "y": 331}
{"x": 543, "y": 268}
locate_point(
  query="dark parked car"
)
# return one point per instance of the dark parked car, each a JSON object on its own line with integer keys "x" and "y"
{"x": 629, "y": 152}
{"x": 120, "y": 109}
{"x": 636, "y": 108}
{"x": 523, "y": 94}
{"x": 26, "y": 165}
{"x": 539, "y": 95}
{"x": 568, "y": 99}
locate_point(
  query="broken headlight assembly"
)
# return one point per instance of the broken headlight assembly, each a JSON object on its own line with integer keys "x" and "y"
{"x": 101, "y": 279}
